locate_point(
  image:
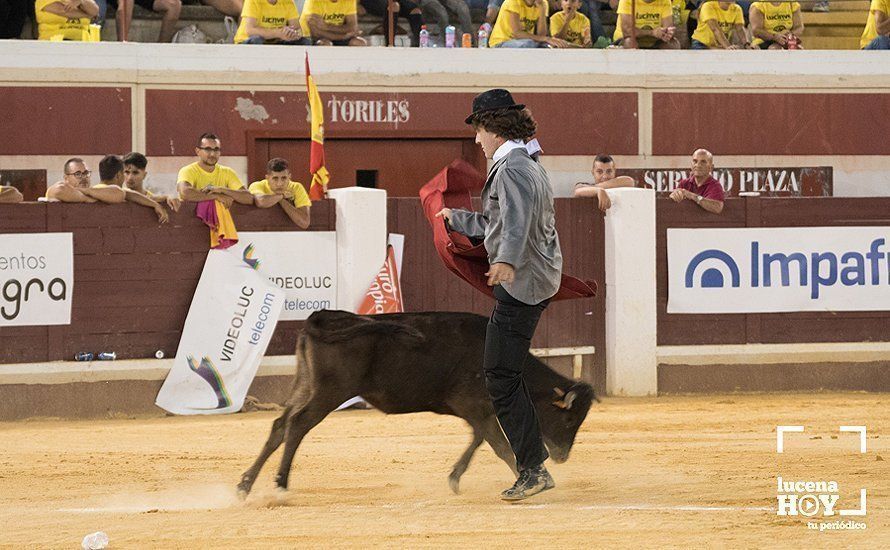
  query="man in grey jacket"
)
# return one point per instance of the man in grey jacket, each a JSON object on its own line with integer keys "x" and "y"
{"x": 518, "y": 227}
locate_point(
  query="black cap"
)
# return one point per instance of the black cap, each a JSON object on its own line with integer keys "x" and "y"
{"x": 493, "y": 100}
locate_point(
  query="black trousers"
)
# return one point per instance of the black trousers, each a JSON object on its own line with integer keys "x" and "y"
{"x": 507, "y": 341}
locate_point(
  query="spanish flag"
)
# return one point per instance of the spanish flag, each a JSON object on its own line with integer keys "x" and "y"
{"x": 320, "y": 176}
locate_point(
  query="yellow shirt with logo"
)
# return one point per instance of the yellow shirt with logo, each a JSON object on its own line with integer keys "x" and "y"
{"x": 267, "y": 15}
{"x": 50, "y": 24}
{"x": 528, "y": 20}
{"x": 222, "y": 176}
{"x": 579, "y": 27}
{"x": 726, "y": 19}
{"x": 649, "y": 16}
{"x": 776, "y": 19}
{"x": 333, "y": 13}
{"x": 301, "y": 199}
{"x": 871, "y": 28}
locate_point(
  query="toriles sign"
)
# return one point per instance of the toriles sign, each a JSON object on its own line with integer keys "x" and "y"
{"x": 777, "y": 182}
{"x": 36, "y": 279}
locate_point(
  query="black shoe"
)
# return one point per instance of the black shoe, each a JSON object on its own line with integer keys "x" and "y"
{"x": 531, "y": 482}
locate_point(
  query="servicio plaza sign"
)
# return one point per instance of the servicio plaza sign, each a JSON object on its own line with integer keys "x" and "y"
{"x": 763, "y": 270}
{"x": 787, "y": 181}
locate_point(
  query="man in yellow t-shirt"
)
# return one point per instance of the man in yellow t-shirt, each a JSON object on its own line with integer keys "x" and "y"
{"x": 208, "y": 180}
{"x": 278, "y": 188}
{"x": 68, "y": 20}
{"x": 523, "y": 24}
{"x": 654, "y": 23}
{"x": 570, "y": 25}
{"x": 331, "y": 23}
{"x": 876, "y": 35}
{"x": 721, "y": 25}
{"x": 773, "y": 23}
{"x": 270, "y": 22}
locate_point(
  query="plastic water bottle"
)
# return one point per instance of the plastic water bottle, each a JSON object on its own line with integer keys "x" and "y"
{"x": 466, "y": 40}
{"x": 482, "y": 41}
{"x": 449, "y": 36}
{"x": 424, "y": 37}
{"x": 95, "y": 541}
{"x": 107, "y": 356}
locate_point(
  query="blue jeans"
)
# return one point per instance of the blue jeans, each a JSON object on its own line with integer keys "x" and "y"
{"x": 261, "y": 40}
{"x": 519, "y": 43}
{"x": 696, "y": 45}
{"x": 879, "y": 43}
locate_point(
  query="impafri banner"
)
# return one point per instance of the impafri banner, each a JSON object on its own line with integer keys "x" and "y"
{"x": 230, "y": 322}
{"x": 302, "y": 263}
{"x": 36, "y": 279}
{"x": 766, "y": 270}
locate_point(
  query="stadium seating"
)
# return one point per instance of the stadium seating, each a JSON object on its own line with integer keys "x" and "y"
{"x": 838, "y": 29}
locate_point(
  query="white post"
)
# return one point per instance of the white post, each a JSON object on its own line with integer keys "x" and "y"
{"x": 631, "y": 363}
{"x": 361, "y": 241}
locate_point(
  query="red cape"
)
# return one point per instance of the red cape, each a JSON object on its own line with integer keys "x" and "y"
{"x": 451, "y": 188}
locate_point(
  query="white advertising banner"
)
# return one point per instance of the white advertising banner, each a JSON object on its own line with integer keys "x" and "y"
{"x": 302, "y": 263}
{"x": 36, "y": 279}
{"x": 765, "y": 270}
{"x": 230, "y": 322}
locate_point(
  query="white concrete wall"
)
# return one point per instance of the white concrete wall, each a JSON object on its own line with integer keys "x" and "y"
{"x": 631, "y": 362}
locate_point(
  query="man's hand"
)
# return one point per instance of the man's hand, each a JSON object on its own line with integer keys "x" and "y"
{"x": 174, "y": 203}
{"x": 500, "y": 273}
{"x": 445, "y": 213}
{"x": 781, "y": 39}
{"x": 603, "y": 199}
{"x": 224, "y": 199}
{"x": 163, "y": 217}
{"x": 677, "y": 195}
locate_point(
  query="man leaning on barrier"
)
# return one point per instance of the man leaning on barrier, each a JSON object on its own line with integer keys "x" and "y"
{"x": 701, "y": 187}
{"x": 206, "y": 179}
{"x": 75, "y": 186}
{"x": 9, "y": 194}
{"x": 603, "y": 178}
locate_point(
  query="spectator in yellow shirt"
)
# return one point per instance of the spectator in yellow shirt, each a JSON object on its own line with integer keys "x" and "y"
{"x": 721, "y": 25}
{"x": 523, "y": 24}
{"x": 278, "y": 189}
{"x": 654, "y": 23}
{"x": 69, "y": 19}
{"x": 876, "y": 35}
{"x": 9, "y": 194}
{"x": 208, "y": 180}
{"x": 270, "y": 22}
{"x": 75, "y": 186}
{"x": 331, "y": 23}
{"x": 772, "y": 23}
{"x": 571, "y": 25}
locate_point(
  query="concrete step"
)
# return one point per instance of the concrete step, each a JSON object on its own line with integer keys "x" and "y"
{"x": 832, "y": 31}
{"x": 837, "y": 18}
{"x": 831, "y": 42}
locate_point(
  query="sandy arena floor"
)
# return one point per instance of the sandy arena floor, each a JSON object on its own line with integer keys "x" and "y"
{"x": 688, "y": 472}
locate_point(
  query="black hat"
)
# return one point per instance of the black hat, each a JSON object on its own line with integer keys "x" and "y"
{"x": 493, "y": 100}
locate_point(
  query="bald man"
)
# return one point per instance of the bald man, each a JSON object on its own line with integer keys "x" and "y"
{"x": 701, "y": 187}
{"x": 9, "y": 194}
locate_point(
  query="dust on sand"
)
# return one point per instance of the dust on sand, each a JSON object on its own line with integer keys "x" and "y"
{"x": 653, "y": 472}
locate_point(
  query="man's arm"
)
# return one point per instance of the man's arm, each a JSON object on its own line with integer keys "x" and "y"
{"x": 109, "y": 195}
{"x": 9, "y": 194}
{"x": 711, "y": 205}
{"x": 140, "y": 199}
{"x": 241, "y": 196}
{"x": 300, "y": 216}
{"x": 514, "y": 221}
{"x": 471, "y": 224}
{"x": 319, "y": 29}
{"x": 73, "y": 9}
{"x": 267, "y": 201}
{"x": 882, "y": 22}
{"x": 67, "y": 193}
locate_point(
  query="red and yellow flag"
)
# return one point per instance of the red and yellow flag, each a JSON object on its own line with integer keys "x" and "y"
{"x": 320, "y": 175}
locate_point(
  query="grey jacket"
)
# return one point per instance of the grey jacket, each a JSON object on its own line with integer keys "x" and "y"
{"x": 518, "y": 225}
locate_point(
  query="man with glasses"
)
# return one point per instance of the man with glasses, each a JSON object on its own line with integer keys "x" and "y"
{"x": 75, "y": 186}
{"x": 206, "y": 179}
